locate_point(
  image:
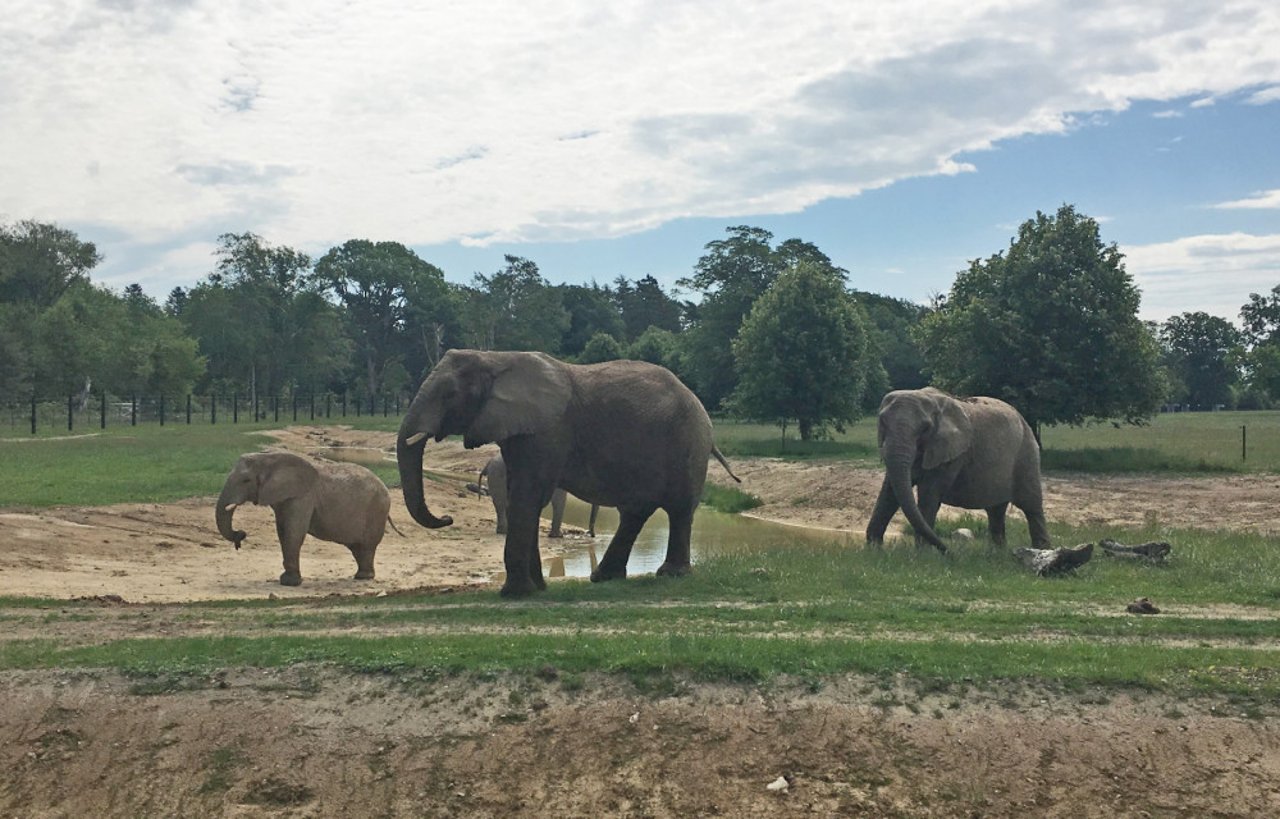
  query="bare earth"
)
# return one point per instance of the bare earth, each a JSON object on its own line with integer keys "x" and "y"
{"x": 311, "y": 742}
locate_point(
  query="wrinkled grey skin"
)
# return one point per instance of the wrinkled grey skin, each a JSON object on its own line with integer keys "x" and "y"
{"x": 343, "y": 503}
{"x": 496, "y": 471}
{"x": 625, "y": 434}
{"x": 975, "y": 453}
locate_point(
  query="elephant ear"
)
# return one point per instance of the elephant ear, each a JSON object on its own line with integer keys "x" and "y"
{"x": 284, "y": 476}
{"x": 952, "y": 435}
{"x": 529, "y": 394}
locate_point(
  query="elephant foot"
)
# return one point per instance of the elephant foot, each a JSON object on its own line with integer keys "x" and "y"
{"x": 668, "y": 569}
{"x": 555, "y": 533}
{"x": 540, "y": 583}
{"x": 291, "y": 579}
{"x": 511, "y": 590}
{"x": 601, "y": 574}
{"x": 364, "y": 574}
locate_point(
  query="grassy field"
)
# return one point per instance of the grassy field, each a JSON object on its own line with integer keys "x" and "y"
{"x": 975, "y": 618}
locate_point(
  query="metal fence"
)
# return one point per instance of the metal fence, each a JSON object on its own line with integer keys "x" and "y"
{"x": 99, "y": 410}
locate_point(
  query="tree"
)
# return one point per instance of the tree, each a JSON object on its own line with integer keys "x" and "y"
{"x": 802, "y": 353}
{"x": 1261, "y": 320}
{"x": 657, "y": 346}
{"x": 1202, "y": 352}
{"x": 384, "y": 288}
{"x": 515, "y": 309}
{"x": 601, "y": 347}
{"x": 892, "y": 322}
{"x": 730, "y": 276}
{"x": 591, "y": 311}
{"x": 644, "y": 305}
{"x": 40, "y": 262}
{"x": 1050, "y": 326}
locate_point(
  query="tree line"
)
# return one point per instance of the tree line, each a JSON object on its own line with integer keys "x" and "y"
{"x": 764, "y": 330}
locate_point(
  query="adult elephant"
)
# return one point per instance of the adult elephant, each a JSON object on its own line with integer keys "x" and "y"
{"x": 975, "y": 453}
{"x": 623, "y": 433}
{"x": 496, "y": 471}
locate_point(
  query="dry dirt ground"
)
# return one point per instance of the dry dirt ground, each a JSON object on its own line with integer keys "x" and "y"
{"x": 311, "y": 742}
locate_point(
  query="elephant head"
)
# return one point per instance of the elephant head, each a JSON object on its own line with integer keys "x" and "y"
{"x": 263, "y": 478}
{"x": 486, "y": 397}
{"x": 925, "y": 427}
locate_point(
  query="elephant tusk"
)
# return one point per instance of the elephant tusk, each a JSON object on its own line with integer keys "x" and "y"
{"x": 413, "y": 440}
{"x": 230, "y": 507}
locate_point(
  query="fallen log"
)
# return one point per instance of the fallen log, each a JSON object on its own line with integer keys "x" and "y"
{"x": 1154, "y": 552}
{"x": 1046, "y": 562}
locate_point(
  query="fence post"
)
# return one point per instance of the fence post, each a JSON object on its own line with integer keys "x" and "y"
{"x": 328, "y": 404}
{"x": 133, "y": 412}
{"x": 295, "y": 405}
{"x": 275, "y": 407}
{"x": 161, "y": 409}
{"x": 188, "y": 409}
{"x": 313, "y": 405}
{"x": 344, "y": 402}
{"x": 1244, "y": 441}
{"x": 235, "y": 407}
{"x": 70, "y": 408}
{"x": 386, "y": 406}
{"x": 103, "y": 409}
{"x": 213, "y": 408}
{"x": 33, "y": 413}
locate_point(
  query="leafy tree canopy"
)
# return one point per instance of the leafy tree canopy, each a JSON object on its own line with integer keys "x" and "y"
{"x": 1050, "y": 326}
{"x": 1203, "y": 353}
{"x": 40, "y": 262}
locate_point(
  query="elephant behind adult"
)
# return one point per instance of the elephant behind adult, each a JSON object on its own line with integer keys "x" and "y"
{"x": 496, "y": 471}
{"x": 975, "y": 453}
{"x": 625, "y": 434}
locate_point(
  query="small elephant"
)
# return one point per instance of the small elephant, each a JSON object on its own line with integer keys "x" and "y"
{"x": 975, "y": 453}
{"x": 496, "y": 471}
{"x": 625, "y": 434}
{"x": 343, "y": 503}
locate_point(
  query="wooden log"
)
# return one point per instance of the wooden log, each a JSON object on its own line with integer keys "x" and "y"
{"x": 1045, "y": 562}
{"x": 1154, "y": 552}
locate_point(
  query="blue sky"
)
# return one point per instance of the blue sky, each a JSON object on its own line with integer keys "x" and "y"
{"x": 618, "y": 139}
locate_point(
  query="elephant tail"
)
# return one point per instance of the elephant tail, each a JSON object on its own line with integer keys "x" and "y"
{"x": 390, "y": 523}
{"x": 716, "y": 452}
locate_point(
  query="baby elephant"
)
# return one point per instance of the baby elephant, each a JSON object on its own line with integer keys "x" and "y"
{"x": 343, "y": 503}
{"x": 496, "y": 471}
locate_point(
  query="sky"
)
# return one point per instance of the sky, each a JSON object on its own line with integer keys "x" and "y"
{"x": 617, "y": 139}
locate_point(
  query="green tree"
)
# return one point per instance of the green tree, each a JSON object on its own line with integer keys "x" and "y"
{"x": 892, "y": 322}
{"x": 384, "y": 288}
{"x": 591, "y": 311}
{"x": 1203, "y": 353}
{"x": 657, "y": 346}
{"x": 802, "y": 353}
{"x": 515, "y": 309}
{"x": 40, "y": 262}
{"x": 730, "y": 276}
{"x": 1050, "y": 326}
{"x": 643, "y": 305}
{"x": 601, "y": 347}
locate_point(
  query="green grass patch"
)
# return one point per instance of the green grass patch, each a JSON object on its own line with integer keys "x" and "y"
{"x": 727, "y": 499}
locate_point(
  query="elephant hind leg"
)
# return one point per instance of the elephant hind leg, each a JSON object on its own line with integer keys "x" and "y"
{"x": 680, "y": 531}
{"x": 613, "y": 566}
{"x": 364, "y": 560}
{"x": 995, "y": 522}
{"x": 1036, "y": 523}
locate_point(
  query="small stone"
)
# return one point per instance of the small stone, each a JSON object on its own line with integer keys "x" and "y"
{"x": 778, "y": 785}
{"x": 964, "y": 534}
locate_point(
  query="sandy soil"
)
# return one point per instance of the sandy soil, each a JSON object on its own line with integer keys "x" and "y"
{"x": 314, "y": 742}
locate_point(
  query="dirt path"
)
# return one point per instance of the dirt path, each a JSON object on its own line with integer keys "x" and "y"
{"x": 172, "y": 552}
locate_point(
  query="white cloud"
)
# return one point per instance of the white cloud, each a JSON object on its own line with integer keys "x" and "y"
{"x": 310, "y": 121}
{"x": 1213, "y": 272}
{"x": 1168, "y": 114}
{"x": 1203, "y": 102}
{"x": 1264, "y": 96}
{"x": 1263, "y": 200}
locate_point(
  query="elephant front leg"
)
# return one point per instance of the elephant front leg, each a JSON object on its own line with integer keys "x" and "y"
{"x": 520, "y": 553}
{"x": 680, "y": 531}
{"x": 613, "y": 566}
{"x": 883, "y": 512}
{"x": 557, "y": 513}
{"x": 995, "y": 523}
{"x": 1036, "y": 523}
{"x": 292, "y": 521}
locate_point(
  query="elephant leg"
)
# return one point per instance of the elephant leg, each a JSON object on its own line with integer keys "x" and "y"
{"x": 929, "y": 499}
{"x": 677, "y": 562}
{"x": 364, "y": 560}
{"x": 883, "y": 512}
{"x": 292, "y": 521}
{"x": 531, "y": 480}
{"x": 613, "y": 566}
{"x": 498, "y": 494}
{"x": 557, "y": 513}
{"x": 995, "y": 522}
{"x": 1036, "y": 523}
{"x": 591, "y": 525}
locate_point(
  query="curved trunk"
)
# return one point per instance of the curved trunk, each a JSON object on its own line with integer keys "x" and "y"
{"x": 224, "y": 515}
{"x": 409, "y": 459}
{"x": 898, "y": 469}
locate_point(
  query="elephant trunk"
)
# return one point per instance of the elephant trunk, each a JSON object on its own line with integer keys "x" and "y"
{"x": 898, "y": 468}
{"x": 409, "y": 459}
{"x": 224, "y": 511}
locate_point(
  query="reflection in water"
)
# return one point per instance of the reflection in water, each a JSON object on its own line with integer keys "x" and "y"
{"x": 713, "y": 533}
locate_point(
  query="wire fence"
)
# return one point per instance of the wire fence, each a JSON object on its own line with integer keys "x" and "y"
{"x": 39, "y": 415}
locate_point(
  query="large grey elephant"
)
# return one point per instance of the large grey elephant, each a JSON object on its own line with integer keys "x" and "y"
{"x": 975, "y": 453}
{"x": 496, "y": 471}
{"x": 343, "y": 503}
{"x": 623, "y": 433}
